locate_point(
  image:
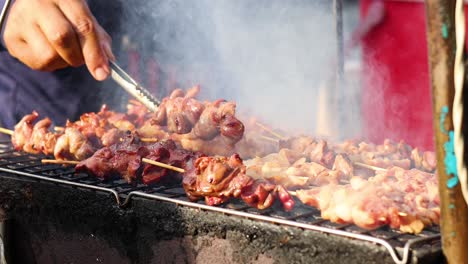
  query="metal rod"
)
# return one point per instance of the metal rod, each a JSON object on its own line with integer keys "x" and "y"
{"x": 339, "y": 68}
{"x": 441, "y": 47}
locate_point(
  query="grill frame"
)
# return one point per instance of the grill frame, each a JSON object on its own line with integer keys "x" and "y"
{"x": 399, "y": 246}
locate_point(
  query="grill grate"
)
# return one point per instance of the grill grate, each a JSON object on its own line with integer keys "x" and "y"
{"x": 398, "y": 245}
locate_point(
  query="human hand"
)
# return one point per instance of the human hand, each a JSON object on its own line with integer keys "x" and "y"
{"x": 52, "y": 34}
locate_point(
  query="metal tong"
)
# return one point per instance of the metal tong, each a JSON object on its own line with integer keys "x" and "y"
{"x": 133, "y": 88}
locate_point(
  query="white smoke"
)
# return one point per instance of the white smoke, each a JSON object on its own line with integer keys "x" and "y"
{"x": 269, "y": 56}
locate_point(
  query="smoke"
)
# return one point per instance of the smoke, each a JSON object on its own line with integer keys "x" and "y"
{"x": 274, "y": 58}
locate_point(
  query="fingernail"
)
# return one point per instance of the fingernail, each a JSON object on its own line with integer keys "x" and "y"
{"x": 101, "y": 73}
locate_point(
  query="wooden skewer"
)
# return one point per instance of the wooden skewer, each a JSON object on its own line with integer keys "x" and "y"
{"x": 149, "y": 140}
{"x": 59, "y": 128}
{"x": 134, "y": 102}
{"x": 6, "y": 131}
{"x": 69, "y": 162}
{"x": 269, "y": 139}
{"x": 299, "y": 177}
{"x": 270, "y": 131}
{"x": 363, "y": 165}
{"x": 163, "y": 165}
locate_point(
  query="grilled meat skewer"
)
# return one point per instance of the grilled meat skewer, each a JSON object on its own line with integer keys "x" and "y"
{"x": 216, "y": 179}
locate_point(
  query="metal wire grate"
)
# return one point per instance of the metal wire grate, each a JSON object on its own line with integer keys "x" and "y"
{"x": 399, "y": 245}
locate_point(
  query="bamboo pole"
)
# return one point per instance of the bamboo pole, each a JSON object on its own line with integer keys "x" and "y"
{"x": 441, "y": 47}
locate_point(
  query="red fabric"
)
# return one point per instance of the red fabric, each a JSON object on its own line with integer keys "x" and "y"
{"x": 396, "y": 89}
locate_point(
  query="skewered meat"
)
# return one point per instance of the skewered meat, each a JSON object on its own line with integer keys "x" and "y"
{"x": 343, "y": 165}
{"x": 79, "y": 140}
{"x": 182, "y": 114}
{"x": 424, "y": 160}
{"x": 123, "y": 159}
{"x": 262, "y": 194}
{"x": 231, "y": 129}
{"x": 388, "y": 154}
{"x": 34, "y": 138}
{"x": 215, "y": 179}
{"x": 215, "y": 146}
{"x": 137, "y": 112}
{"x": 180, "y": 111}
{"x": 403, "y": 199}
{"x": 316, "y": 150}
{"x": 292, "y": 170}
{"x": 218, "y": 179}
{"x": 23, "y": 130}
{"x": 73, "y": 145}
{"x": 42, "y": 140}
{"x": 167, "y": 152}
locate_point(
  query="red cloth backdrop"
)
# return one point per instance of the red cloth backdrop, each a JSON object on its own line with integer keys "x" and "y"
{"x": 396, "y": 100}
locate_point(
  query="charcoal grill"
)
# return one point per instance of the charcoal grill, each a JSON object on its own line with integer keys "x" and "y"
{"x": 400, "y": 246}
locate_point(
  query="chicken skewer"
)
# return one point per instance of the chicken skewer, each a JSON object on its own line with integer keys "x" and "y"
{"x": 152, "y": 140}
{"x": 78, "y": 140}
{"x": 215, "y": 179}
{"x": 404, "y": 199}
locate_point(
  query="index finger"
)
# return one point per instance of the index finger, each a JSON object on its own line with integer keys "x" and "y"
{"x": 85, "y": 26}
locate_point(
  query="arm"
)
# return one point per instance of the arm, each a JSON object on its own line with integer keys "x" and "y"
{"x": 52, "y": 34}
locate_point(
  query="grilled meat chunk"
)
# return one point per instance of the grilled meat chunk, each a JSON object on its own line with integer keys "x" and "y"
{"x": 23, "y": 131}
{"x": 218, "y": 179}
{"x": 404, "y": 199}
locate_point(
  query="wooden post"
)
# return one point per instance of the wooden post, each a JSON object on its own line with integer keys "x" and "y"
{"x": 441, "y": 47}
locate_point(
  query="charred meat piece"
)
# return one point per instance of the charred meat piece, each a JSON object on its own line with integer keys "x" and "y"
{"x": 207, "y": 126}
{"x": 112, "y": 136}
{"x": 167, "y": 152}
{"x": 122, "y": 159}
{"x": 214, "y": 177}
{"x": 262, "y": 194}
{"x": 231, "y": 129}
